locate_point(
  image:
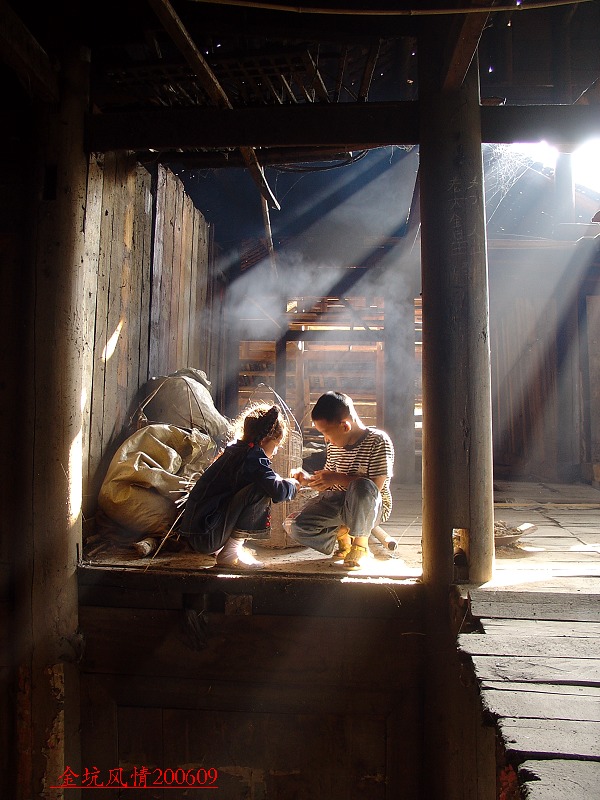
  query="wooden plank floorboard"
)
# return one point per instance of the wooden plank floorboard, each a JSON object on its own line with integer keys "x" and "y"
{"x": 531, "y": 646}
{"x": 560, "y": 780}
{"x": 535, "y": 605}
{"x": 538, "y": 666}
{"x": 526, "y": 738}
{"x": 545, "y": 688}
{"x": 540, "y": 627}
{"x": 541, "y": 705}
{"x": 580, "y": 672}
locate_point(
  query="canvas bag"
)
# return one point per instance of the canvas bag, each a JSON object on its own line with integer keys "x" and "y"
{"x": 150, "y": 472}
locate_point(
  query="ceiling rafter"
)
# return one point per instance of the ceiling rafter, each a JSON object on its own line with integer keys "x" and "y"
{"x": 340, "y": 74}
{"x": 316, "y": 81}
{"x": 369, "y": 69}
{"x": 180, "y": 36}
{"x": 461, "y": 44}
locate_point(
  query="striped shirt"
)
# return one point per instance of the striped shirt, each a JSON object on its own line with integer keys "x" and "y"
{"x": 371, "y": 456}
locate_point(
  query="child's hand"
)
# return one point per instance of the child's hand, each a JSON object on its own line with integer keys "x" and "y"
{"x": 323, "y": 479}
{"x": 301, "y": 476}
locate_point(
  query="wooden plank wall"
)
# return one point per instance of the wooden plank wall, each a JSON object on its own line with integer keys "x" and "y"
{"x": 524, "y": 385}
{"x": 593, "y": 354}
{"x": 118, "y": 237}
{"x": 146, "y": 291}
{"x": 180, "y": 281}
{"x": 290, "y": 688}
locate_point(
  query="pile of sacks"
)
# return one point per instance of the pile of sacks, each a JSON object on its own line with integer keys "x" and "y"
{"x": 178, "y": 436}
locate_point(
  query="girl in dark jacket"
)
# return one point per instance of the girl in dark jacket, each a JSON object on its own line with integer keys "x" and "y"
{"x": 231, "y": 501}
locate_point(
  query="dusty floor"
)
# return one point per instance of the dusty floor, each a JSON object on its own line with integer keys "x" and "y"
{"x": 562, "y": 553}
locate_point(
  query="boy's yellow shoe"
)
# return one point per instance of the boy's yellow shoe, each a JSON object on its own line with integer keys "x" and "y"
{"x": 357, "y": 557}
{"x": 344, "y": 543}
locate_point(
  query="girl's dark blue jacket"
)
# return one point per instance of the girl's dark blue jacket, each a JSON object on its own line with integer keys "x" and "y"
{"x": 237, "y": 467}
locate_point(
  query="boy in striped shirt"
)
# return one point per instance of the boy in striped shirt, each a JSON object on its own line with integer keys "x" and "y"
{"x": 354, "y": 486}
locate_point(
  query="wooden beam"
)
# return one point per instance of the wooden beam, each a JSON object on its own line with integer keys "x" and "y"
{"x": 317, "y": 84}
{"x": 21, "y": 51}
{"x": 461, "y": 45}
{"x": 558, "y": 125}
{"x": 340, "y": 75}
{"x": 355, "y": 314}
{"x": 336, "y": 336}
{"x": 214, "y": 159}
{"x": 258, "y": 176}
{"x": 176, "y": 30}
{"x": 309, "y": 124}
{"x": 269, "y": 236}
{"x": 369, "y": 69}
{"x": 344, "y": 126}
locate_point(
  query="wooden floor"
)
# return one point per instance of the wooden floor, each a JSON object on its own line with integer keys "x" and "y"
{"x": 537, "y": 657}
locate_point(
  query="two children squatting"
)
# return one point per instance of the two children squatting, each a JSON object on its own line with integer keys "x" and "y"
{"x": 231, "y": 501}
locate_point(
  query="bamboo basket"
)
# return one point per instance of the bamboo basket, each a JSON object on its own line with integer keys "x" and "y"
{"x": 288, "y": 457}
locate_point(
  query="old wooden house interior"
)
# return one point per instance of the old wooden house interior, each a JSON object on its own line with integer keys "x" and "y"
{"x": 398, "y": 200}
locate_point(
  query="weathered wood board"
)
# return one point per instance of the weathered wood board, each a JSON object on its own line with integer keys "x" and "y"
{"x": 516, "y": 701}
{"x": 538, "y": 665}
{"x": 141, "y": 307}
{"x": 551, "y": 738}
{"x": 283, "y": 702}
{"x": 584, "y": 671}
{"x": 534, "y": 605}
{"x": 559, "y": 779}
{"x": 541, "y": 627}
{"x": 543, "y": 647}
{"x": 180, "y": 265}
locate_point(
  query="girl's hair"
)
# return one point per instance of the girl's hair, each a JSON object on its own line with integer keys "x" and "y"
{"x": 259, "y": 422}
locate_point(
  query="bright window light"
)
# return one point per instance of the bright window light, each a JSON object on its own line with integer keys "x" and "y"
{"x": 538, "y": 152}
{"x": 586, "y": 160}
{"x": 586, "y": 165}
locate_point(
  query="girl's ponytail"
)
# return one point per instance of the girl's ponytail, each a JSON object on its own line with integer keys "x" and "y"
{"x": 263, "y": 422}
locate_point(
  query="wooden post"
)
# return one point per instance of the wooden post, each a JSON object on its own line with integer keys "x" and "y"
{"x": 457, "y": 440}
{"x": 281, "y": 367}
{"x": 231, "y": 336}
{"x": 402, "y": 286}
{"x": 302, "y": 404}
{"x": 380, "y": 384}
{"x": 569, "y": 387}
{"x": 564, "y": 189}
{"x": 46, "y": 547}
{"x": 399, "y": 399}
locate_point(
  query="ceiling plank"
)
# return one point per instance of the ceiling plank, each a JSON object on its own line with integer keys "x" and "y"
{"x": 176, "y": 30}
{"x": 343, "y": 126}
